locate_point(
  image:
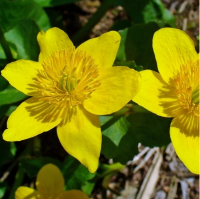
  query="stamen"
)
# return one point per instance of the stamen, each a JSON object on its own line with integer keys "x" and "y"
{"x": 186, "y": 87}
{"x": 69, "y": 78}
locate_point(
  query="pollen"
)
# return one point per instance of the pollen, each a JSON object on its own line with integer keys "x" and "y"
{"x": 68, "y": 78}
{"x": 186, "y": 87}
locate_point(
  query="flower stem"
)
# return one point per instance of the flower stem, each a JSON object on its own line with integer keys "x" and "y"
{"x": 5, "y": 47}
{"x": 83, "y": 32}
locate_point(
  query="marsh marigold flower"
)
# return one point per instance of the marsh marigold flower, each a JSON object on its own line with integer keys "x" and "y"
{"x": 50, "y": 184}
{"x": 69, "y": 88}
{"x": 175, "y": 91}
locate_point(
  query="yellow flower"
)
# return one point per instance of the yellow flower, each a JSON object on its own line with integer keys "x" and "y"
{"x": 175, "y": 91}
{"x": 50, "y": 185}
{"x": 69, "y": 88}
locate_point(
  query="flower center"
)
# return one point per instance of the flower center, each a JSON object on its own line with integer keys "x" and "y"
{"x": 69, "y": 77}
{"x": 67, "y": 83}
{"x": 186, "y": 83}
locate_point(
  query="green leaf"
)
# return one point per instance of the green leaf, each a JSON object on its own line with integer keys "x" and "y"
{"x": 3, "y": 187}
{"x": 88, "y": 187}
{"x": 139, "y": 11}
{"x": 56, "y": 18}
{"x": 108, "y": 148}
{"x": 11, "y": 95}
{"x": 121, "y": 54}
{"x": 11, "y": 12}
{"x": 11, "y": 109}
{"x": 3, "y": 60}
{"x": 143, "y": 127}
{"x": 3, "y": 83}
{"x": 51, "y": 3}
{"x": 33, "y": 165}
{"x": 120, "y": 25}
{"x": 13, "y": 148}
{"x": 136, "y": 45}
{"x": 75, "y": 174}
{"x": 3, "y": 110}
{"x": 7, "y": 151}
{"x": 114, "y": 128}
{"x": 130, "y": 64}
{"x": 146, "y": 11}
{"x": 23, "y": 36}
{"x": 166, "y": 15}
{"x": 2, "y": 53}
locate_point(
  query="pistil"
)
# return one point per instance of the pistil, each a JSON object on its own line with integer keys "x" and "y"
{"x": 195, "y": 95}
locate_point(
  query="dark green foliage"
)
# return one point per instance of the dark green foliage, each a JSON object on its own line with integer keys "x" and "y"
{"x": 141, "y": 126}
{"x": 33, "y": 165}
{"x": 75, "y": 174}
{"x": 136, "y": 45}
{"x": 14, "y": 11}
{"x": 23, "y": 36}
{"x": 11, "y": 95}
{"x": 7, "y": 151}
{"x": 146, "y": 11}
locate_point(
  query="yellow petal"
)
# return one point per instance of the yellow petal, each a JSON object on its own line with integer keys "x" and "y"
{"x": 81, "y": 138}
{"x": 50, "y": 182}
{"x": 102, "y": 49}
{"x": 184, "y": 133}
{"x": 157, "y": 96}
{"x": 53, "y": 40}
{"x": 118, "y": 86}
{"x": 26, "y": 193}
{"x": 73, "y": 194}
{"x": 172, "y": 48}
{"x": 28, "y": 120}
{"x": 21, "y": 74}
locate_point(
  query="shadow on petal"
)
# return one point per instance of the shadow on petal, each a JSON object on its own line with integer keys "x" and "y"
{"x": 43, "y": 111}
{"x": 187, "y": 125}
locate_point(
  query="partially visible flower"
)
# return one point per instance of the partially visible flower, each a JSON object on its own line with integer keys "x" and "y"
{"x": 50, "y": 185}
{"x": 69, "y": 88}
{"x": 175, "y": 91}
